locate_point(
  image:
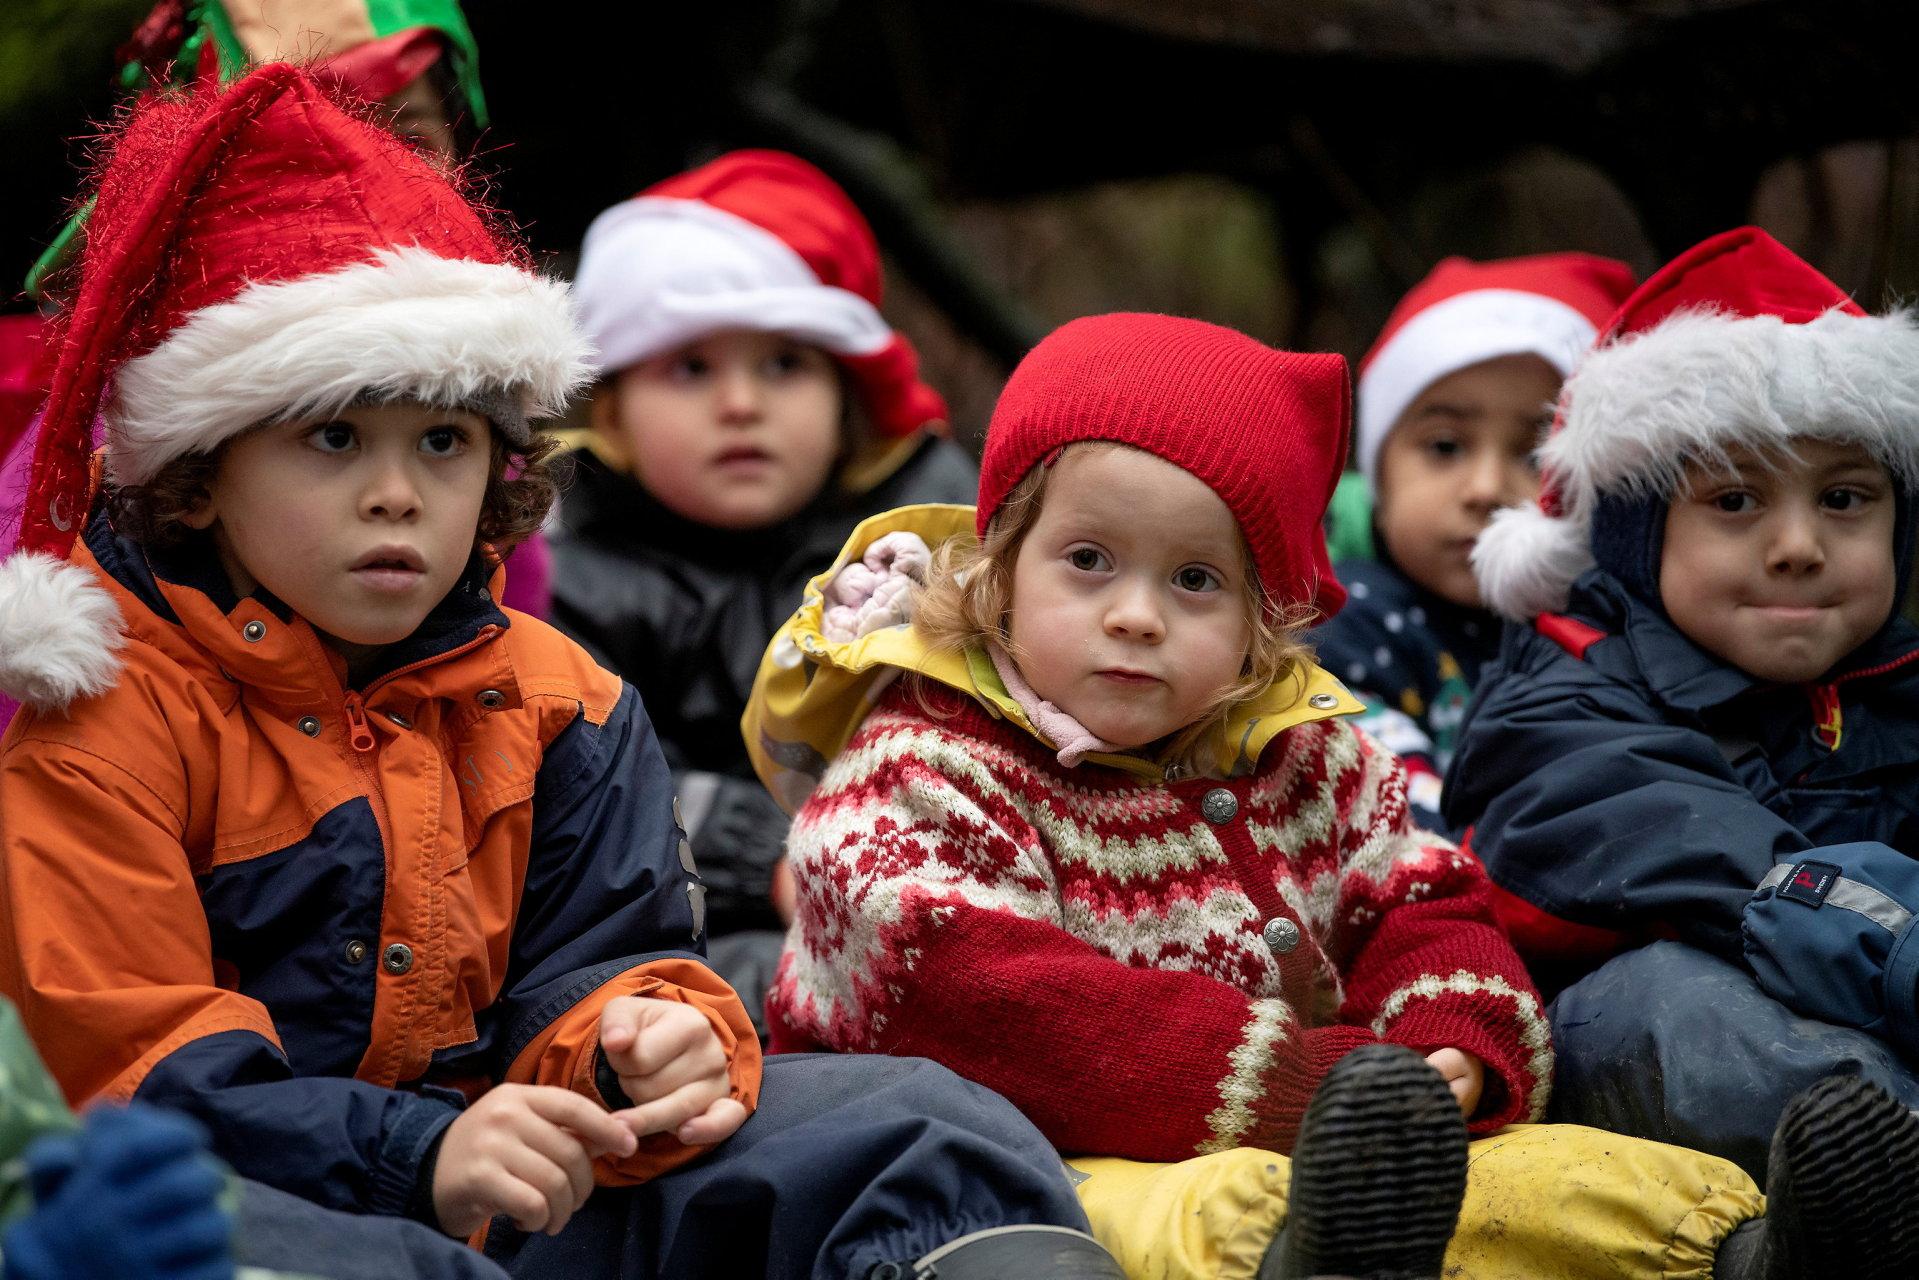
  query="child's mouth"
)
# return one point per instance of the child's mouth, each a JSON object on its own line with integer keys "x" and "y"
{"x": 389, "y": 571}
{"x": 1124, "y": 675}
{"x": 742, "y": 458}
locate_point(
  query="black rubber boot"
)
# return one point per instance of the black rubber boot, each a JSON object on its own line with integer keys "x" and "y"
{"x": 1842, "y": 1191}
{"x": 1378, "y": 1173}
{"x": 1010, "y": 1253}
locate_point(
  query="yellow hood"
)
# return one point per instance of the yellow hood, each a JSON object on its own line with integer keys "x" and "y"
{"x": 812, "y": 693}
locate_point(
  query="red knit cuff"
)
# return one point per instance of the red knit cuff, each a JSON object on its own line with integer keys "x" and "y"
{"x": 1517, "y": 1072}
{"x": 1291, "y": 1084}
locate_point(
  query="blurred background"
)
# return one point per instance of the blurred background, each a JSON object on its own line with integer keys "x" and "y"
{"x": 1287, "y": 167}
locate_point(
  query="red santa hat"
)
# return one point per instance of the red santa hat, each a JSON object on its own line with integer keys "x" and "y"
{"x": 1736, "y": 342}
{"x": 1551, "y": 306}
{"x": 753, "y": 240}
{"x": 257, "y": 254}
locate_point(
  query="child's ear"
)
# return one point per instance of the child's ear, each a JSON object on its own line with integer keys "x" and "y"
{"x": 203, "y": 514}
{"x": 603, "y": 419}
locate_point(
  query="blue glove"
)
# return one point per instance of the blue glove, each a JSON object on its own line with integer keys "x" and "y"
{"x": 1834, "y": 935}
{"x": 132, "y": 1195}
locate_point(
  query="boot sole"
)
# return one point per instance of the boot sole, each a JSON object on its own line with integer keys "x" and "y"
{"x": 1378, "y": 1172}
{"x": 1842, "y": 1184}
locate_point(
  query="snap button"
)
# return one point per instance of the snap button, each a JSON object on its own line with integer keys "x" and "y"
{"x": 355, "y": 951}
{"x": 1281, "y": 935}
{"x": 1323, "y": 701}
{"x": 399, "y": 719}
{"x": 254, "y": 631}
{"x": 492, "y": 699}
{"x": 310, "y": 726}
{"x": 397, "y": 958}
{"x": 1219, "y": 805}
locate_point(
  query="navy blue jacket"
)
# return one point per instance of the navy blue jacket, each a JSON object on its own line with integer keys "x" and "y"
{"x": 1620, "y": 784}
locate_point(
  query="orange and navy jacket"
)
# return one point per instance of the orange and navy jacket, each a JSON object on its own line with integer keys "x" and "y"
{"x": 319, "y": 919}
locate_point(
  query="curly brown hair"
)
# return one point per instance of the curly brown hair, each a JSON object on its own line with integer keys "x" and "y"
{"x": 521, "y": 486}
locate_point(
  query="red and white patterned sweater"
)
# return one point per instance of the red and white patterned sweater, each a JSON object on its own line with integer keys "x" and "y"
{"x": 1094, "y": 946}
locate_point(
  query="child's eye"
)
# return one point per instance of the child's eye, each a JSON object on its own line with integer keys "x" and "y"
{"x": 1844, "y": 499}
{"x": 783, "y": 363}
{"x": 688, "y": 368}
{"x": 1194, "y": 578}
{"x": 331, "y": 437}
{"x": 1087, "y": 559}
{"x": 443, "y": 442}
{"x": 1445, "y": 448}
{"x": 1735, "y": 502}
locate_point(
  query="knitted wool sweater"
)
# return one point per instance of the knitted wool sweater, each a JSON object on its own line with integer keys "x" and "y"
{"x": 1146, "y": 969}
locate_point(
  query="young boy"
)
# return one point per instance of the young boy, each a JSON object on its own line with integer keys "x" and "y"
{"x": 1709, "y": 733}
{"x": 752, "y": 406}
{"x": 417, "y": 933}
{"x": 1452, "y": 401}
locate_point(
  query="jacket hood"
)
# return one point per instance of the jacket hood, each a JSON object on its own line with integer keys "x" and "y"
{"x": 812, "y": 692}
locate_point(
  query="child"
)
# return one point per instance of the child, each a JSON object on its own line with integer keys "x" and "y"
{"x": 753, "y": 406}
{"x": 417, "y": 934}
{"x": 1092, "y": 831}
{"x": 1709, "y": 733}
{"x": 1452, "y": 401}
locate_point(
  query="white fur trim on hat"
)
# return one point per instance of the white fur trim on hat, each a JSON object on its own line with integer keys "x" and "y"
{"x": 657, "y": 273}
{"x": 59, "y": 632}
{"x": 1526, "y": 560}
{"x": 449, "y": 332}
{"x": 1455, "y": 334}
{"x": 1702, "y": 382}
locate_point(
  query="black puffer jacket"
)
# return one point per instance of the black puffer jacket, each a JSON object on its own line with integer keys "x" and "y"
{"x": 684, "y": 613}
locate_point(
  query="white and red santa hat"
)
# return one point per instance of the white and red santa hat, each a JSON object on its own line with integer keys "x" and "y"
{"x": 1550, "y": 305}
{"x": 755, "y": 240}
{"x": 1736, "y": 342}
{"x": 257, "y": 254}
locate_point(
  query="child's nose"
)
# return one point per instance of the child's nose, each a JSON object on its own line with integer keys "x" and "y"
{"x": 1134, "y": 614}
{"x": 391, "y": 494}
{"x": 1795, "y": 544}
{"x": 740, "y": 395}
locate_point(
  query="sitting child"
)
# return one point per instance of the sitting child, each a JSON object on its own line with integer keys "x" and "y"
{"x": 753, "y": 406}
{"x": 303, "y": 835}
{"x": 1092, "y": 830}
{"x": 1452, "y": 401}
{"x": 1709, "y": 734}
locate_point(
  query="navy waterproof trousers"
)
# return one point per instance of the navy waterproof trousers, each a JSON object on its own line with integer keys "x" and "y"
{"x": 1670, "y": 1043}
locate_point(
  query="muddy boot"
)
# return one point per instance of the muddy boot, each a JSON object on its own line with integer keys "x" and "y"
{"x": 1026, "y": 1252}
{"x": 1842, "y": 1191}
{"x": 1378, "y": 1173}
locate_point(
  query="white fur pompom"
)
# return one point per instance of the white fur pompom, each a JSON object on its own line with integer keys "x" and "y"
{"x": 59, "y": 632}
{"x": 1526, "y": 561}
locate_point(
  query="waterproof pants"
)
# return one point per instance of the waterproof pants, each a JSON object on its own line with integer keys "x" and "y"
{"x": 849, "y": 1162}
{"x": 1670, "y": 1043}
{"x": 1543, "y": 1202}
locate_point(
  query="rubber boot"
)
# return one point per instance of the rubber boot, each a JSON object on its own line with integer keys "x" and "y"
{"x": 1379, "y": 1171}
{"x": 1005, "y": 1253}
{"x": 1842, "y": 1191}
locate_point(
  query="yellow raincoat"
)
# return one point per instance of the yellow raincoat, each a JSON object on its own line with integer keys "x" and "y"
{"x": 1543, "y": 1202}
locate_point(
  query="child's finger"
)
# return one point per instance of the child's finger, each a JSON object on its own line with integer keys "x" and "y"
{"x": 554, "y": 1185}
{"x": 584, "y": 1118}
{"x": 563, "y": 1147}
{"x": 619, "y": 1025}
{"x": 702, "y": 1060}
{"x": 665, "y": 1115}
{"x": 661, "y": 1042}
{"x": 715, "y": 1124}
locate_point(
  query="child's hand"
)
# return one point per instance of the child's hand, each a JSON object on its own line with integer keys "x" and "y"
{"x": 671, "y": 1064}
{"x": 525, "y": 1150}
{"x": 1465, "y": 1075}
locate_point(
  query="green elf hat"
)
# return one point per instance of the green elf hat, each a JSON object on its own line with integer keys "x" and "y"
{"x": 372, "y": 48}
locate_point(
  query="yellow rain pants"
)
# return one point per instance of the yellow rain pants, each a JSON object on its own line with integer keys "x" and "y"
{"x": 1543, "y": 1202}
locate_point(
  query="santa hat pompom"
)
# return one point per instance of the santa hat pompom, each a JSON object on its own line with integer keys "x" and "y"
{"x": 1526, "y": 561}
{"x": 59, "y": 632}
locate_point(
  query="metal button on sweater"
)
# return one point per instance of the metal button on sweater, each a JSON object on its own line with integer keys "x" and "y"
{"x": 1219, "y": 805}
{"x": 1281, "y": 935}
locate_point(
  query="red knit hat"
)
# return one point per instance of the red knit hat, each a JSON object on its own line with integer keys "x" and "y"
{"x": 1737, "y": 341}
{"x": 1551, "y": 305}
{"x": 753, "y": 240}
{"x": 256, "y": 254}
{"x": 1266, "y": 430}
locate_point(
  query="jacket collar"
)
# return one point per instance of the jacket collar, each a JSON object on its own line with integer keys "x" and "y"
{"x": 1683, "y": 675}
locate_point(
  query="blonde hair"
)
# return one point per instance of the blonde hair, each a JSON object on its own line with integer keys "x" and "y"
{"x": 968, "y": 602}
